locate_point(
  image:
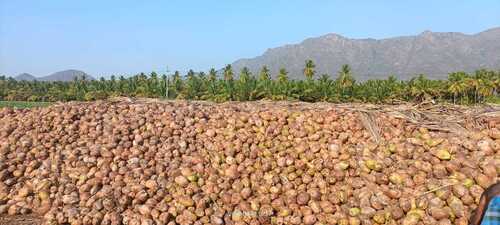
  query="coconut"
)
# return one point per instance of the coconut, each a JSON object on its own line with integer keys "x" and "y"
{"x": 443, "y": 154}
{"x": 253, "y": 163}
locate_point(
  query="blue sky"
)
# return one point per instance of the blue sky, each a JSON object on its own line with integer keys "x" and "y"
{"x": 126, "y": 37}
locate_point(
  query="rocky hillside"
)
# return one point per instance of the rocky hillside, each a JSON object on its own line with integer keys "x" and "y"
{"x": 431, "y": 53}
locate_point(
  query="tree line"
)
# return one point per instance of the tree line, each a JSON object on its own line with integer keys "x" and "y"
{"x": 460, "y": 87}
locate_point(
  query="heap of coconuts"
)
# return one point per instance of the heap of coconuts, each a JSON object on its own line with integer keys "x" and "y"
{"x": 186, "y": 163}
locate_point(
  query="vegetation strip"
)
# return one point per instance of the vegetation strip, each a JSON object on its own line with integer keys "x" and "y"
{"x": 23, "y": 104}
{"x": 460, "y": 88}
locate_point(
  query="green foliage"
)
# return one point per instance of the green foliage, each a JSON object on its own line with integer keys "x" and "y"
{"x": 23, "y": 104}
{"x": 481, "y": 86}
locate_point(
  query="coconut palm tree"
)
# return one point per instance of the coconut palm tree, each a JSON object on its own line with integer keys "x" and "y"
{"x": 228, "y": 73}
{"x": 212, "y": 83}
{"x": 177, "y": 84}
{"x": 456, "y": 84}
{"x": 243, "y": 86}
{"x": 193, "y": 86}
{"x": 229, "y": 82}
{"x": 283, "y": 76}
{"x": 264, "y": 74}
{"x": 472, "y": 86}
{"x": 309, "y": 69}
{"x": 486, "y": 88}
{"x": 324, "y": 86}
{"x": 281, "y": 89}
{"x": 455, "y": 89}
{"x": 345, "y": 80}
{"x": 419, "y": 88}
{"x": 264, "y": 83}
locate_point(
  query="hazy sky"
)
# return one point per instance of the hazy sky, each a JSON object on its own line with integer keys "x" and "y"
{"x": 124, "y": 37}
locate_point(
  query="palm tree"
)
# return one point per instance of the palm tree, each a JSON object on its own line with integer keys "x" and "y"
{"x": 243, "y": 86}
{"x": 228, "y": 78}
{"x": 473, "y": 86}
{"x": 283, "y": 76}
{"x": 394, "y": 88}
{"x": 282, "y": 83}
{"x": 192, "y": 89}
{"x": 228, "y": 73}
{"x": 245, "y": 75}
{"x": 212, "y": 82}
{"x": 212, "y": 75}
{"x": 324, "y": 85}
{"x": 456, "y": 84}
{"x": 263, "y": 84}
{"x": 112, "y": 83}
{"x": 345, "y": 80}
{"x": 421, "y": 88}
{"x": 486, "y": 88}
{"x": 309, "y": 69}
{"x": 264, "y": 74}
{"x": 496, "y": 82}
{"x": 164, "y": 86}
{"x": 177, "y": 84}
{"x": 153, "y": 86}
{"x": 122, "y": 83}
{"x": 455, "y": 89}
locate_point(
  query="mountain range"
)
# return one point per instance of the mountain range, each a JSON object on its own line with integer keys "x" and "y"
{"x": 434, "y": 54}
{"x": 65, "y": 75}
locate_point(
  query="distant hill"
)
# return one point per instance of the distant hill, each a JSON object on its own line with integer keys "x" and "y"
{"x": 25, "y": 76}
{"x": 432, "y": 53}
{"x": 65, "y": 75}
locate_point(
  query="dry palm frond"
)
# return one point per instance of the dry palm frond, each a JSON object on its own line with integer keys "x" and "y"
{"x": 370, "y": 125}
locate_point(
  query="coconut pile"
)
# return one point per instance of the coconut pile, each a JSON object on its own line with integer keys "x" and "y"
{"x": 245, "y": 163}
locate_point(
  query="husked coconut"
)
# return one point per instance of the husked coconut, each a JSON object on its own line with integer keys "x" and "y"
{"x": 175, "y": 162}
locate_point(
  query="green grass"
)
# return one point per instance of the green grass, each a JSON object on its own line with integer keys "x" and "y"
{"x": 22, "y": 104}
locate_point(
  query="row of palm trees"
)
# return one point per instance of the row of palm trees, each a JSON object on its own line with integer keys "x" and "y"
{"x": 460, "y": 87}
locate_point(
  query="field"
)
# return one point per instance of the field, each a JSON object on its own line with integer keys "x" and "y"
{"x": 184, "y": 162}
{"x": 23, "y": 104}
